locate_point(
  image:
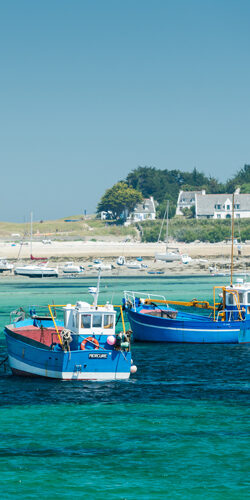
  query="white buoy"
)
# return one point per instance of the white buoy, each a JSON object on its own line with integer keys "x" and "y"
{"x": 133, "y": 369}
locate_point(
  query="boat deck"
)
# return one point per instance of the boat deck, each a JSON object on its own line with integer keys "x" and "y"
{"x": 181, "y": 315}
{"x": 46, "y": 336}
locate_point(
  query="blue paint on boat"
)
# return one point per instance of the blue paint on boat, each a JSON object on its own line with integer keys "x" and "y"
{"x": 84, "y": 346}
{"x": 153, "y": 320}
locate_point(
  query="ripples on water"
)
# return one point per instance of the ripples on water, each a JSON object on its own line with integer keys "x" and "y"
{"x": 179, "y": 428}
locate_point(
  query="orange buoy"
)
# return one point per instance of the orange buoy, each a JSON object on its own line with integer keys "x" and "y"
{"x": 89, "y": 339}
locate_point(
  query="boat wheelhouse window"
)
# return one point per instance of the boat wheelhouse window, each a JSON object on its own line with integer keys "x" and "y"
{"x": 86, "y": 321}
{"x": 241, "y": 297}
{"x": 108, "y": 321}
{"x": 97, "y": 320}
{"x": 230, "y": 299}
{"x": 248, "y": 298}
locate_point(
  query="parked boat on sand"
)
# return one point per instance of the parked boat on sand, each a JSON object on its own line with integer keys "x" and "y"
{"x": 170, "y": 255}
{"x": 36, "y": 271}
{"x": 72, "y": 268}
{"x": 5, "y": 265}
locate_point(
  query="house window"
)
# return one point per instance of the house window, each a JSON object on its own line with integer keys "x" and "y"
{"x": 218, "y": 216}
{"x": 228, "y": 207}
{"x": 237, "y": 206}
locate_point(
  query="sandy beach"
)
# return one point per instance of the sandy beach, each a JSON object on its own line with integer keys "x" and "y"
{"x": 204, "y": 255}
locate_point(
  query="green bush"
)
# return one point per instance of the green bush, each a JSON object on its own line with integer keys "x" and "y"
{"x": 188, "y": 230}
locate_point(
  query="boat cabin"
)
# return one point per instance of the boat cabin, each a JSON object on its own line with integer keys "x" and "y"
{"x": 238, "y": 295}
{"x": 86, "y": 319}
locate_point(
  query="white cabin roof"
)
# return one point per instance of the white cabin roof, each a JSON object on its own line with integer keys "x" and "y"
{"x": 82, "y": 307}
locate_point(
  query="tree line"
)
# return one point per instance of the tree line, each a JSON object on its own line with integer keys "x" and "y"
{"x": 163, "y": 185}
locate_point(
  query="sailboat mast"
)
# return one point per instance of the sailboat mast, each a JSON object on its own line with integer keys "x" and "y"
{"x": 232, "y": 247}
{"x": 31, "y": 229}
{"x": 167, "y": 227}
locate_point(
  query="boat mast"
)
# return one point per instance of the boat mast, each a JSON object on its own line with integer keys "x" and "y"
{"x": 97, "y": 289}
{"x": 31, "y": 222}
{"x": 163, "y": 220}
{"x": 232, "y": 246}
{"x": 167, "y": 227}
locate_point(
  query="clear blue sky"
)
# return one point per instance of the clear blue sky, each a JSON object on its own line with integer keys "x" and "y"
{"x": 91, "y": 89}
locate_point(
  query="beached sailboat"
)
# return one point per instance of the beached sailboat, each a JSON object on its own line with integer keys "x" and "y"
{"x": 170, "y": 255}
{"x": 84, "y": 346}
{"x": 40, "y": 270}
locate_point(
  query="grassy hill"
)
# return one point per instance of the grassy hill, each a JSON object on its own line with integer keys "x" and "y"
{"x": 92, "y": 229}
{"x": 81, "y": 229}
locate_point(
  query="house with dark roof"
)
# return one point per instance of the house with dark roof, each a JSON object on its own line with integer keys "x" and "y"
{"x": 143, "y": 211}
{"x": 219, "y": 206}
{"x": 186, "y": 199}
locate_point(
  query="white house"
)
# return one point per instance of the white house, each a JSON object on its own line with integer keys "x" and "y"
{"x": 219, "y": 206}
{"x": 186, "y": 199}
{"x": 143, "y": 211}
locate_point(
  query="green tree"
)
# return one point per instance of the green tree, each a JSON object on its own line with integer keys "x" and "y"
{"x": 120, "y": 200}
{"x": 245, "y": 188}
{"x": 241, "y": 178}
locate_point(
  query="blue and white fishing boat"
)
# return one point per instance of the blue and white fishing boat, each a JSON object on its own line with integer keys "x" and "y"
{"x": 82, "y": 346}
{"x": 152, "y": 318}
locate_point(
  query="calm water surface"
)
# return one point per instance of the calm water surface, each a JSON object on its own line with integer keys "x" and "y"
{"x": 178, "y": 429}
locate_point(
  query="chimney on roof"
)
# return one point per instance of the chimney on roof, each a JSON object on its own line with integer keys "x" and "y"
{"x": 203, "y": 191}
{"x": 237, "y": 190}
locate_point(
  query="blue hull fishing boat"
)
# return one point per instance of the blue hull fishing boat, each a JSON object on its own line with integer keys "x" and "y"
{"x": 84, "y": 346}
{"x": 152, "y": 319}
{"x": 225, "y": 322}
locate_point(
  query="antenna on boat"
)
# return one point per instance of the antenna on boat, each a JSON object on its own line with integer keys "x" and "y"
{"x": 232, "y": 247}
{"x": 97, "y": 289}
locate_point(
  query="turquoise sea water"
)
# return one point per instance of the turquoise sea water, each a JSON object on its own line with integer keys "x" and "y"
{"x": 178, "y": 429}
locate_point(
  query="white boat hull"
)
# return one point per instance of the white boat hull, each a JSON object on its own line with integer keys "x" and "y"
{"x": 36, "y": 271}
{"x": 168, "y": 257}
{"x": 21, "y": 368}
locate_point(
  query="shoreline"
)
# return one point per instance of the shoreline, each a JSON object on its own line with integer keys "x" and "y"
{"x": 204, "y": 257}
{"x": 112, "y": 249}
